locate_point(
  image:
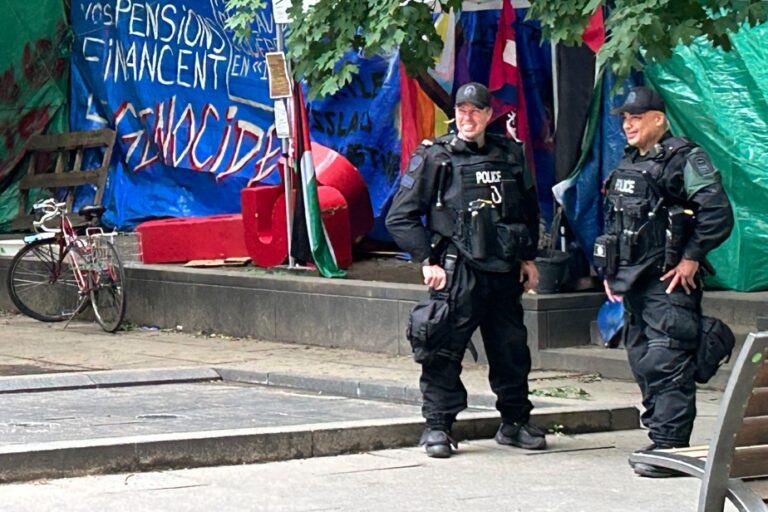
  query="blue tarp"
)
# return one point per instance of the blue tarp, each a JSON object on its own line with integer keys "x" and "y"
{"x": 360, "y": 123}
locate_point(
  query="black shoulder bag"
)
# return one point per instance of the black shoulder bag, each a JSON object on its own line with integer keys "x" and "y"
{"x": 429, "y": 321}
{"x": 715, "y": 348}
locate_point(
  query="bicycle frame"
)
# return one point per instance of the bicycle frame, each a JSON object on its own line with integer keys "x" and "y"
{"x": 72, "y": 245}
{"x": 63, "y": 269}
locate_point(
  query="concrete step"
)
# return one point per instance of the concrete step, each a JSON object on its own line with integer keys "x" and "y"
{"x": 740, "y": 332}
{"x": 366, "y": 315}
{"x": 739, "y": 310}
{"x": 610, "y": 363}
{"x": 743, "y": 312}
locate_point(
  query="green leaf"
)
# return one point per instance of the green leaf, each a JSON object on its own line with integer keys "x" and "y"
{"x": 591, "y": 7}
{"x": 685, "y": 32}
{"x": 319, "y": 37}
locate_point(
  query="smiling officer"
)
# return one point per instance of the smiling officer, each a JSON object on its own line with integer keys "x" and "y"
{"x": 482, "y": 226}
{"x": 665, "y": 210}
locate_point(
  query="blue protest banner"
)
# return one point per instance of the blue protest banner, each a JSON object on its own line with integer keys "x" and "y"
{"x": 190, "y": 104}
{"x": 360, "y": 122}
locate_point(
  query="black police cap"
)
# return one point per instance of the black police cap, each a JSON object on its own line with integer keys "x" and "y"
{"x": 640, "y": 100}
{"x": 474, "y": 93}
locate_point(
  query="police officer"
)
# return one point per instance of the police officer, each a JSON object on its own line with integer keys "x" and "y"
{"x": 480, "y": 208}
{"x": 665, "y": 210}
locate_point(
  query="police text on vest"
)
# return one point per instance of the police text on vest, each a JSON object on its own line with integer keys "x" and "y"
{"x": 485, "y": 177}
{"x": 625, "y": 186}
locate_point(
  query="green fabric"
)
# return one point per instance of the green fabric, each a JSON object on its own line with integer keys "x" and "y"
{"x": 322, "y": 250}
{"x": 718, "y": 99}
{"x": 34, "y": 70}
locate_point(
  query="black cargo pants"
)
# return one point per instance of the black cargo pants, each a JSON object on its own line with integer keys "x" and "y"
{"x": 491, "y": 301}
{"x": 661, "y": 333}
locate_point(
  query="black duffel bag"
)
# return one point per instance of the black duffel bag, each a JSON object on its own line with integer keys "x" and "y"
{"x": 715, "y": 348}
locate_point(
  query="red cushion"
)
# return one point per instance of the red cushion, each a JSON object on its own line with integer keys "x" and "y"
{"x": 192, "y": 238}
{"x": 334, "y": 170}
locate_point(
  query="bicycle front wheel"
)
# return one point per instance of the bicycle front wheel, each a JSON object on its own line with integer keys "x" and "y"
{"x": 41, "y": 282}
{"x": 108, "y": 287}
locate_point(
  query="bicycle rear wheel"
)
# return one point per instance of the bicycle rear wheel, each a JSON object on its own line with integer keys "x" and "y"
{"x": 41, "y": 282}
{"x": 107, "y": 287}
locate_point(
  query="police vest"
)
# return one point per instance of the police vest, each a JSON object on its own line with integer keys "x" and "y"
{"x": 635, "y": 210}
{"x": 480, "y": 202}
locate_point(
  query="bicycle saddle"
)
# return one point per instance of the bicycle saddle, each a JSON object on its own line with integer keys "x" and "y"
{"x": 91, "y": 212}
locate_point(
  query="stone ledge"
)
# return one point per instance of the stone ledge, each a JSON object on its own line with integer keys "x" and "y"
{"x": 361, "y": 315}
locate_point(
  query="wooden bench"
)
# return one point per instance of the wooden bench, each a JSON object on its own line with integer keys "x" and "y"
{"x": 735, "y": 464}
{"x": 55, "y": 162}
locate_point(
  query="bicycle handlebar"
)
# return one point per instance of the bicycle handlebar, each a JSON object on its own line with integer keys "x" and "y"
{"x": 50, "y": 209}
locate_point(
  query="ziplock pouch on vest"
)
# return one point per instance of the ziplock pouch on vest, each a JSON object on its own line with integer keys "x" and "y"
{"x": 511, "y": 241}
{"x": 480, "y": 235}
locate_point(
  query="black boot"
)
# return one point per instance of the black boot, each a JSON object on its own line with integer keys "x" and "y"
{"x": 522, "y": 435}
{"x": 646, "y": 448}
{"x": 649, "y": 471}
{"x": 437, "y": 443}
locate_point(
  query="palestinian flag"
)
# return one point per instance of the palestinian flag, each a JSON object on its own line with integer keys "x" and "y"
{"x": 309, "y": 240}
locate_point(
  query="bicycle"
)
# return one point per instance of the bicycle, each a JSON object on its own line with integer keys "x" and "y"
{"x": 59, "y": 271}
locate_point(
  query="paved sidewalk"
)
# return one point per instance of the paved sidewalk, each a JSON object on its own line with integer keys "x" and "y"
{"x": 91, "y": 436}
{"x": 31, "y": 347}
{"x": 587, "y": 473}
{"x": 28, "y": 346}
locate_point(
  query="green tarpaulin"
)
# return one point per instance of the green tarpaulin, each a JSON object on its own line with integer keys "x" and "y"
{"x": 718, "y": 99}
{"x": 34, "y": 68}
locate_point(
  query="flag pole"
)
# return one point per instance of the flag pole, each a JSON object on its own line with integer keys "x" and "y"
{"x": 287, "y": 171}
{"x": 555, "y": 92}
